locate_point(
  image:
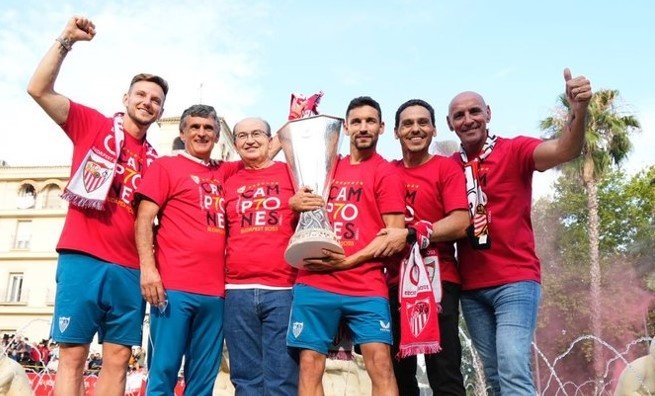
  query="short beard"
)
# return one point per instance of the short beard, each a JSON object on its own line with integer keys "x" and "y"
{"x": 366, "y": 146}
{"x": 139, "y": 122}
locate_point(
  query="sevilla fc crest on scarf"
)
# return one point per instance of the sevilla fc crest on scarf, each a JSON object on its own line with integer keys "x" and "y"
{"x": 419, "y": 314}
{"x": 95, "y": 174}
{"x": 419, "y": 325}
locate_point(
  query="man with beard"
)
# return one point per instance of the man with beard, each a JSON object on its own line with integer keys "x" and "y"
{"x": 366, "y": 195}
{"x": 499, "y": 267}
{"x": 434, "y": 192}
{"x": 97, "y": 252}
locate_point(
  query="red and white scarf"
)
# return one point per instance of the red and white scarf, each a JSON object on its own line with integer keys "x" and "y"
{"x": 478, "y": 232}
{"x": 419, "y": 296}
{"x": 90, "y": 184}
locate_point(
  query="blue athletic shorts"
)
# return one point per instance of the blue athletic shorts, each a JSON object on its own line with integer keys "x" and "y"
{"x": 96, "y": 296}
{"x": 315, "y": 317}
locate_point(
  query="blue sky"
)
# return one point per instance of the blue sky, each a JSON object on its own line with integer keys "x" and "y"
{"x": 250, "y": 55}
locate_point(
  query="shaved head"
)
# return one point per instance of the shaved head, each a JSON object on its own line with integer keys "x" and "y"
{"x": 465, "y": 96}
{"x": 468, "y": 116}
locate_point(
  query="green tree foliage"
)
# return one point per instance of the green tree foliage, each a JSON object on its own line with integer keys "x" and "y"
{"x": 607, "y": 135}
{"x": 626, "y": 209}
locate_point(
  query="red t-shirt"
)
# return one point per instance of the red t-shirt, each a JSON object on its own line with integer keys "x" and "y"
{"x": 359, "y": 195}
{"x": 190, "y": 238}
{"x": 432, "y": 191}
{"x": 260, "y": 223}
{"x": 106, "y": 234}
{"x": 506, "y": 179}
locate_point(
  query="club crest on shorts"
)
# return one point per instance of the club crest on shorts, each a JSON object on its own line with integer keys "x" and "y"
{"x": 296, "y": 328}
{"x": 64, "y": 321}
{"x": 95, "y": 174}
{"x": 419, "y": 313}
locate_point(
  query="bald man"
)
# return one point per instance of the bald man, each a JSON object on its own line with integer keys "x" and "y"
{"x": 498, "y": 265}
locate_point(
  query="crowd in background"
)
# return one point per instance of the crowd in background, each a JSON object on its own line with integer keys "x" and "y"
{"x": 44, "y": 355}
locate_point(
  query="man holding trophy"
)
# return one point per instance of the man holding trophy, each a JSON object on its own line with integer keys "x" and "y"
{"x": 258, "y": 281}
{"x": 365, "y": 196}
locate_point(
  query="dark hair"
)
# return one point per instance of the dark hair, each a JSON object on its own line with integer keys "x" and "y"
{"x": 364, "y": 101}
{"x": 150, "y": 78}
{"x": 199, "y": 110}
{"x": 414, "y": 102}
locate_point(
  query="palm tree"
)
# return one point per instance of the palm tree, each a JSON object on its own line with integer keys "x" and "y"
{"x": 607, "y": 144}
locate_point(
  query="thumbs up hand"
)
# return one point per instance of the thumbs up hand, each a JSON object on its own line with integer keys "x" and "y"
{"x": 578, "y": 91}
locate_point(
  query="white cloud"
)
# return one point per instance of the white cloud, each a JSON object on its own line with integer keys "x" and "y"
{"x": 644, "y": 142}
{"x": 542, "y": 183}
{"x": 187, "y": 43}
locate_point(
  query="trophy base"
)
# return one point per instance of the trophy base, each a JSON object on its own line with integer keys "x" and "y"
{"x": 310, "y": 244}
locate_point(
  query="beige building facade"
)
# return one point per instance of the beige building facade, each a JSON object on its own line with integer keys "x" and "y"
{"x": 31, "y": 218}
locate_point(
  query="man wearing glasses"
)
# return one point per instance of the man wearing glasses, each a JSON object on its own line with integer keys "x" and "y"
{"x": 258, "y": 280}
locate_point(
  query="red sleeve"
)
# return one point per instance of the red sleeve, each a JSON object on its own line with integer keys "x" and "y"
{"x": 156, "y": 184}
{"x": 389, "y": 189}
{"x": 452, "y": 186}
{"x": 523, "y": 147}
{"x": 83, "y": 123}
{"x": 229, "y": 168}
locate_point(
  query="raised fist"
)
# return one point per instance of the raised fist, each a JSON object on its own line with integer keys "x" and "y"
{"x": 79, "y": 29}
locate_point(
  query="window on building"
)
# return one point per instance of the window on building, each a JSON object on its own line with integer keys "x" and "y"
{"x": 23, "y": 234}
{"x": 51, "y": 199}
{"x": 26, "y": 196}
{"x": 15, "y": 287}
{"x": 50, "y": 296}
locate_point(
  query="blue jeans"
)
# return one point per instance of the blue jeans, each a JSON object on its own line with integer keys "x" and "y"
{"x": 256, "y": 322}
{"x": 501, "y": 321}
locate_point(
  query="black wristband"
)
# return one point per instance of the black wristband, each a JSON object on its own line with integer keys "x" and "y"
{"x": 411, "y": 235}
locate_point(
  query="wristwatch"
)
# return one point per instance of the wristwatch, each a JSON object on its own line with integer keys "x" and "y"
{"x": 411, "y": 235}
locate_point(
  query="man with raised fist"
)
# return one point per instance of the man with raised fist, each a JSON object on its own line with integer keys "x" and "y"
{"x": 500, "y": 270}
{"x": 98, "y": 268}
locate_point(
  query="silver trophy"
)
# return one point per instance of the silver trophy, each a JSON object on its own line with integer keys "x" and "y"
{"x": 311, "y": 146}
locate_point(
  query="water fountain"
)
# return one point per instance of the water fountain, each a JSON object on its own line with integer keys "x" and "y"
{"x": 568, "y": 387}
